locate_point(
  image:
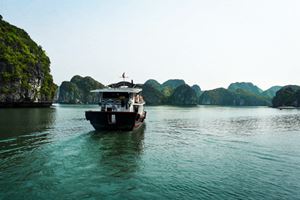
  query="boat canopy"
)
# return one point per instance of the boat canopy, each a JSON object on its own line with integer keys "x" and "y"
{"x": 128, "y": 90}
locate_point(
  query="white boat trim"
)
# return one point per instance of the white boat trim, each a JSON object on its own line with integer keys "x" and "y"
{"x": 139, "y": 104}
{"x": 129, "y": 90}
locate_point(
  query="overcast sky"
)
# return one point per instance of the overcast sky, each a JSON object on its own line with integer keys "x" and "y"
{"x": 211, "y": 43}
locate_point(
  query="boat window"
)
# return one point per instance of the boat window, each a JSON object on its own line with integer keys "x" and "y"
{"x": 112, "y": 95}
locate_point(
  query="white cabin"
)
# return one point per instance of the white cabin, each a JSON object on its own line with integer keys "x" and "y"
{"x": 122, "y": 99}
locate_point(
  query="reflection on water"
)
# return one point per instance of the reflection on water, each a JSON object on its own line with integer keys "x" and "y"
{"x": 15, "y": 122}
{"x": 24, "y": 128}
{"x": 121, "y": 142}
{"x": 120, "y": 151}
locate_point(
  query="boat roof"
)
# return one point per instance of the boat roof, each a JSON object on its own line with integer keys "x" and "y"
{"x": 128, "y": 90}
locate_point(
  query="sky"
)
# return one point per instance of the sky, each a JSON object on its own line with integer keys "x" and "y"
{"x": 210, "y": 43}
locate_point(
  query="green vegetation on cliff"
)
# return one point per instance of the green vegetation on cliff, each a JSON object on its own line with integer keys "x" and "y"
{"x": 173, "y": 91}
{"x": 167, "y": 91}
{"x": 24, "y": 68}
{"x": 152, "y": 95}
{"x": 176, "y": 92}
{"x": 238, "y": 97}
{"x": 287, "y": 96}
{"x": 271, "y": 92}
{"x": 246, "y": 86}
{"x": 69, "y": 93}
{"x": 183, "y": 95}
{"x": 245, "y": 98}
{"x": 153, "y": 83}
{"x": 197, "y": 89}
{"x": 173, "y": 83}
{"x": 78, "y": 90}
{"x": 218, "y": 96}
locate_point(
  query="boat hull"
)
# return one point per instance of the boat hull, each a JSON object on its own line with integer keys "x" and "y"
{"x": 126, "y": 121}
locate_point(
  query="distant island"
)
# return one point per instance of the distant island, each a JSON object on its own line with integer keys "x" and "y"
{"x": 288, "y": 96}
{"x": 177, "y": 92}
{"x": 26, "y": 81}
{"x": 77, "y": 90}
{"x": 239, "y": 94}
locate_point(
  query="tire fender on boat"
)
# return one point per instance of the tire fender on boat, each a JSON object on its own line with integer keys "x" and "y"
{"x": 137, "y": 117}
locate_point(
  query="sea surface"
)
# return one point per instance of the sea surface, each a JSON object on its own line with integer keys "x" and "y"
{"x": 204, "y": 152}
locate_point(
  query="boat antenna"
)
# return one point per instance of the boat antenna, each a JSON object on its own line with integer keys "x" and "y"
{"x": 132, "y": 85}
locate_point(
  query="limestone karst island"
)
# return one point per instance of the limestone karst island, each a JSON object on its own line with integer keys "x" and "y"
{"x": 26, "y": 81}
{"x": 25, "y": 78}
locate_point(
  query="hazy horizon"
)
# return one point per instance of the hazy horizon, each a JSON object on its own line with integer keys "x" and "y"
{"x": 209, "y": 43}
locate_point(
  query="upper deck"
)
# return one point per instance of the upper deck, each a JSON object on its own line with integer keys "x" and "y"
{"x": 122, "y": 96}
{"x": 120, "y": 89}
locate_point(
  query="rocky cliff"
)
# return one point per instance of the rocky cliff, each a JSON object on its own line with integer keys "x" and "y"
{"x": 244, "y": 98}
{"x": 153, "y": 83}
{"x": 271, "y": 92}
{"x": 25, "y": 77}
{"x": 183, "y": 95}
{"x": 171, "y": 92}
{"x": 152, "y": 94}
{"x": 78, "y": 91}
{"x": 218, "y": 96}
{"x": 238, "y": 97}
{"x": 197, "y": 89}
{"x": 173, "y": 83}
{"x": 287, "y": 96}
{"x": 246, "y": 86}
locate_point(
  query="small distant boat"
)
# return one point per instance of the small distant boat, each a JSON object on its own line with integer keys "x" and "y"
{"x": 121, "y": 108}
{"x": 287, "y": 107}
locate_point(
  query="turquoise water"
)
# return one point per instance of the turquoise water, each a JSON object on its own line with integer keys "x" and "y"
{"x": 200, "y": 152}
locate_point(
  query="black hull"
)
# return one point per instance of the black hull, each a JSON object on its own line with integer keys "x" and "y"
{"x": 126, "y": 121}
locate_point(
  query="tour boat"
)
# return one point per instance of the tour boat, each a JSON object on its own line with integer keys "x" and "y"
{"x": 121, "y": 108}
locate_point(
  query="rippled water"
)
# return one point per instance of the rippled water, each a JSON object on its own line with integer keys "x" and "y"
{"x": 200, "y": 152}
